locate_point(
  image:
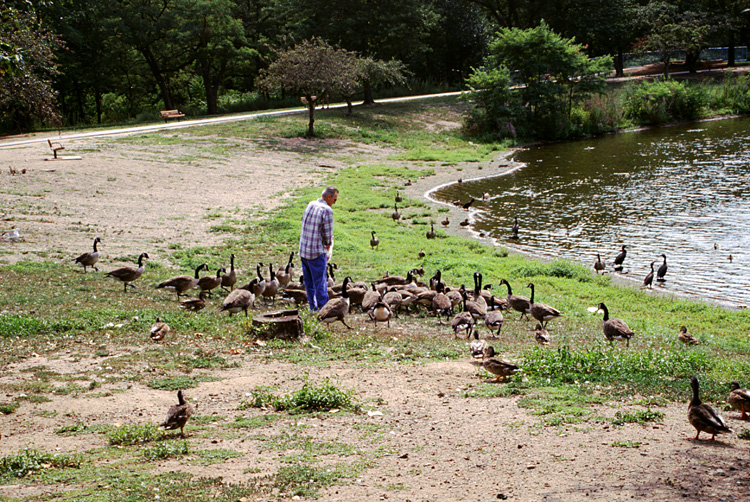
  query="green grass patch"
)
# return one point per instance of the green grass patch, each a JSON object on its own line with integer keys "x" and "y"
{"x": 310, "y": 398}
{"x": 166, "y": 449}
{"x": 208, "y": 457}
{"x": 127, "y": 435}
{"x": 29, "y": 462}
{"x": 637, "y": 417}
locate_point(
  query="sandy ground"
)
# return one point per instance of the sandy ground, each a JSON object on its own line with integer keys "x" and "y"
{"x": 437, "y": 445}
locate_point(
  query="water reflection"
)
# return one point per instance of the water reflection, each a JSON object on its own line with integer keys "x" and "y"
{"x": 677, "y": 191}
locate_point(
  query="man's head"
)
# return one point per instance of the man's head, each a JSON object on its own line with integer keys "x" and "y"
{"x": 330, "y": 195}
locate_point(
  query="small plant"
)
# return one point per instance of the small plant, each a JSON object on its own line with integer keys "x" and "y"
{"x": 208, "y": 457}
{"x": 626, "y": 444}
{"x": 310, "y": 398}
{"x": 30, "y": 461}
{"x": 8, "y": 408}
{"x": 173, "y": 383}
{"x": 167, "y": 449}
{"x": 133, "y": 434}
{"x": 638, "y": 417}
{"x": 744, "y": 434}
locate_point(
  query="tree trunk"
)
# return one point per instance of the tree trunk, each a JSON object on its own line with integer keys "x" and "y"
{"x": 691, "y": 61}
{"x": 311, "y": 108}
{"x": 368, "y": 93}
{"x": 158, "y": 75}
{"x": 349, "y": 106}
{"x": 619, "y": 64}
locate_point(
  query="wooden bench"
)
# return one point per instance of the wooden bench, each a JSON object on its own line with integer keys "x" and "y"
{"x": 171, "y": 114}
{"x": 55, "y": 147}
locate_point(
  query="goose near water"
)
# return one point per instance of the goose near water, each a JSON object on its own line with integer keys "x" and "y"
{"x": 541, "y": 311}
{"x": 662, "y": 270}
{"x": 615, "y": 329}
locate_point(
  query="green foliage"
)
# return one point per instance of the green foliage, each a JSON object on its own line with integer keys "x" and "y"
{"x": 555, "y": 268}
{"x": 209, "y": 457}
{"x": 31, "y": 461}
{"x": 637, "y": 417}
{"x": 127, "y": 435}
{"x": 662, "y": 101}
{"x": 308, "y": 399}
{"x": 8, "y": 408}
{"x": 166, "y": 449}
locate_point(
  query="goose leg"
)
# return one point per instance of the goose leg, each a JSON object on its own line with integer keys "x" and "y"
{"x": 344, "y": 322}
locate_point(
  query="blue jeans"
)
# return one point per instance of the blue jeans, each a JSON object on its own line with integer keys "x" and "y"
{"x": 316, "y": 285}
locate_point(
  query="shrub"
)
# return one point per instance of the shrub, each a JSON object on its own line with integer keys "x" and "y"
{"x": 662, "y": 101}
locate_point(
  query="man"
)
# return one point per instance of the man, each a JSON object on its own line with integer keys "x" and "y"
{"x": 316, "y": 245}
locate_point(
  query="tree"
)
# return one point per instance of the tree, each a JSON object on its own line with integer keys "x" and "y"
{"x": 27, "y": 65}
{"x": 551, "y": 73}
{"x": 310, "y": 69}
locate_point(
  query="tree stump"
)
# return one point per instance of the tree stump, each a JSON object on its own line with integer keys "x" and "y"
{"x": 283, "y": 324}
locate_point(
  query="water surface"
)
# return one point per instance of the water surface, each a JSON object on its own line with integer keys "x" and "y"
{"x": 679, "y": 191}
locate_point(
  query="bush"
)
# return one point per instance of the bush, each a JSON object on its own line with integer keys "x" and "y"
{"x": 662, "y": 101}
{"x": 732, "y": 96}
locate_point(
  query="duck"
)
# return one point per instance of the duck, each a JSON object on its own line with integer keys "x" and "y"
{"x": 398, "y": 197}
{"x": 229, "y": 279}
{"x": 182, "y": 283}
{"x": 620, "y": 258}
{"x": 395, "y": 214}
{"x": 467, "y": 205}
{"x": 541, "y": 335}
{"x": 649, "y": 279}
{"x": 421, "y": 254}
{"x": 517, "y": 302}
{"x": 178, "y": 415}
{"x": 272, "y": 286}
{"x": 465, "y": 223}
{"x": 739, "y": 399}
{"x": 615, "y": 329}
{"x": 662, "y": 271}
{"x": 493, "y": 319}
{"x": 237, "y": 301}
{"x": 336, "y": 309}
{"x": 514, "y": 229}
{"x": 541, "y": 311}
{"x": 686, "y": 337}
{"x": 703, "y": 417}
{"x": 446, "y": 222}
{"x": 431, "y": 232}
{"x": 194, "y": 304}
{"x": 285, "y": 275}
{"x": 598, "y": 264}
{"x": 500, "y": 367}
{"x": 159, "y": 330}
{"x": 129, "y": 274}
{"x": 90, "y": 259}
{"x": 382, "y": 313}
{"x": 479, "y": 349}
{"x": 374, "y": 241}
{"x": 210, "y": 282}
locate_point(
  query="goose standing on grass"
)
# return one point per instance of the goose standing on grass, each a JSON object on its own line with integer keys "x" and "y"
{"x": 182, "y": 283}
{"x": 493, "y": 319}
{"x": 209, "y": 282}
{"x": 398, "y": 197}
{"x": 374, "y": 241}
{"x": 649, "y": 279}
{"x": 620, "y": 258}
{"x": 336, "y": 309}
{"x": 686, "y": 337}
{"x": 382, "y": 313}
{"x": 194, "y": 304}
{"x": 441, "y": 304}
{"x": 395, "y": 215}
{"x": 598, "y": 264}
{"x": 129, "y": 274}
{"x": 517, "y": 302}
{"x": 237, "y": 301}
{"x": 229, "y": 279}
{"x": 370, "y": 300}
{"x": 259, "y": 286}
{"x": 541, "y": 335}
{"x": 514, "y": 230}
{"x": 500, "y": 367}
{"x": 330, "y": 277}
{"x": 89, "y": 259}
{"x": 421, "y": 254}
{"x": 159, "y": 330}
{"x": 615, "y": 329}
{"x": 431, "y": 232}
{"x": 739, "y": 399}
{"x": 272, "y": 286}
{"x": 662, "y": 271}
{"x": 285, "y": 275}
{"x": 541, "y": 311}
{"x": 178, "y": 415}
{"x": 463, "y": 321}
{"x": 703, "y": 417}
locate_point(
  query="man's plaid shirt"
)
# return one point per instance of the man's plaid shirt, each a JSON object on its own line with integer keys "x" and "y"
{"x": 317, "y": 229}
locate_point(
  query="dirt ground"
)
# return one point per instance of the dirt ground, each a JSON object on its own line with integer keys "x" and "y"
{"x": 438, "y": 445}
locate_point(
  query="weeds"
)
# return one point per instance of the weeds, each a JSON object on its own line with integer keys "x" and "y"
{"x": 637, "y": 417}
{"x": 30, "y": 461}
{"x": 166, "y": 449}
{"x": 127, "y": 435}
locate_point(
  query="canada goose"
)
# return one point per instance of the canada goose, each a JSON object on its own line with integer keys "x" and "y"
{"x": 541, "y": 335}
{"x": 463, "y": 321}
{"x": 479, "y": 349}
{"x": 238, "y": 300}
{"x": 441, "y": 304}
{"x": 370, "y": 300}
{"x": 477, "y": 295}
{"x": 514, "y": 229}
{"x": 336, "y": 309}
{"x": 395, "y": 214}
{"x": 393, "y": 298}
{"x": 159, "y": 330}
{"x": 89, "y": 259}
{"x": 615, "y": 329}
{"x": 272, "y": 286}
{"x": 182, "y": 283}
{"x": 259, "y": 286}
{"x": 436, "y": 279}
{"x": 421, "y": 254}
{"x": 730, "y": 258}
{"x": 598, "y": 264}
{"x": 460, "y": 180}
{"x": 431, "y": 232}
{"x": 649, "y": 279}
{"x": 465, "y": 223}
{"x": 330, "y": 277}
{"x": 662, "y": 271}
{"x": 357, "y": 292}
{"x": 494, "y": 318}
{"x": 703, "y": 417}
{"x": 500, "y": 367}
{"x": 541, "y": 311}
{"x": 129, "y": 274}
{"x": 398, "y": 197}
{"x": 194, "y": 304}
{"x": 285, "y": 275}
{"x": 739, "y": 399}
{"x": 374, "y": 241}
{"x": 446, "y": 222}
{"x": 467, "y": 205}
{"x": 382, "y": 313}
{"x": 517, "y": 302}
{"x": 210, "y": 282}
{"x": 620, "y": 258}
{"x": 229, "y": 279}
{"x": 475, "y": 308}
{"x": 178, "y": 415}
{"x": 686, "y": 337}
